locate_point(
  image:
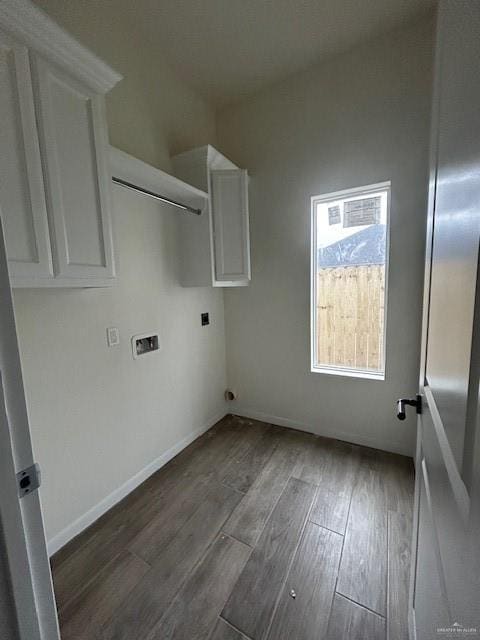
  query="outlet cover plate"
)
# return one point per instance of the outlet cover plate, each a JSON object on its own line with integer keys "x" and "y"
{"x": 113, "y": 336}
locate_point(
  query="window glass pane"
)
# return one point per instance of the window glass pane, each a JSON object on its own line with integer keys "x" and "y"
{"x": 350, "y": 247}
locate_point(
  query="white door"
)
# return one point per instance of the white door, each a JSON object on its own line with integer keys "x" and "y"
{"x": 23, "y": 551}
{"x": 74, "y": 149}
{"x": 22, "y": 194}
{"x": 445, "y": 589}
{"x": 230, "y": 223}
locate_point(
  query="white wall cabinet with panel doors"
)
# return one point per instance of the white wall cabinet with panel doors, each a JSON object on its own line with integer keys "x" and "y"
{"x": 216, "y": 245}
{"x": 22, "y": 193}
{"x": 54, "y": 175}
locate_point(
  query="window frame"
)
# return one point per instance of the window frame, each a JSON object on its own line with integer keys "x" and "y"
{"x": 328, "y": 197}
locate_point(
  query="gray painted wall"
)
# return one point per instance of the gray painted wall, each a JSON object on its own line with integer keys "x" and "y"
{"x": 357, "y": 119}
{"x": 98, "y": 417}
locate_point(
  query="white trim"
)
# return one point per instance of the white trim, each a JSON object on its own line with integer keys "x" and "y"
{"x": 84, "y": 521}
{"x": 393, "y": 446}
{"x": 326, "y": 197}
{"x": 353, "y": 192}
{"x": 14, "y": 539}
{"x": 65, "y": 283}
{"x": 22, "y": 522}
{"x": 230, "y": 283}
{"x": 349, "y": 373}
{"x": 36, "y": 30}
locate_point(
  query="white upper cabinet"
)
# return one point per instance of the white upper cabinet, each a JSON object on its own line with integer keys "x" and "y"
{"x": 216, "y": 245}
{"x": 55, "y": 181}
{"x": 230, "y": 225}
{"x": 74, "y": 145}
{"x": 22, "y": 196}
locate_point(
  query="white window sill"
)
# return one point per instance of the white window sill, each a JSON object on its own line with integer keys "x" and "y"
{"x": 349, "y": 373}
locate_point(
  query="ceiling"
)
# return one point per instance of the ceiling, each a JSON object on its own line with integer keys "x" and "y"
{"x": 227, "y": 49}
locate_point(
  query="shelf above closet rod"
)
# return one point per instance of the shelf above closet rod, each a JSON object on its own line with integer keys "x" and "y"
{"x": 136, "y": 175}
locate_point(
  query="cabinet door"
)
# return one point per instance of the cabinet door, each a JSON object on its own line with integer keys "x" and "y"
{"x": 73, "y": 141}
{"x": 22, "y": 196}
{"x": 230, "y": 222}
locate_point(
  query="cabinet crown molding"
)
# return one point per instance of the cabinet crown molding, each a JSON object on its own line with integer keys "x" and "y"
{"x": 37, "y": 31}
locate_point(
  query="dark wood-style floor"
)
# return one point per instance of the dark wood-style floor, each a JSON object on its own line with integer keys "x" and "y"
{"x": 253, "y": 531}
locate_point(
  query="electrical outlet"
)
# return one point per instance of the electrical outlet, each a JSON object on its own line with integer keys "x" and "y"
{"x": 113, "y": 336}
{"x": 205, "y": 319}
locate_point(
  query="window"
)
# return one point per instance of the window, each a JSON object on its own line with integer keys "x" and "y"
{"x": 348, "y": 281}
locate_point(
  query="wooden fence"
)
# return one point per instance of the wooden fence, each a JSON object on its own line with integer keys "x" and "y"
{"x": 350, "y": 316}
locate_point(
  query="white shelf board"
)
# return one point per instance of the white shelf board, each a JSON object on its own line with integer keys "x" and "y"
{"x": 141, "y": 174}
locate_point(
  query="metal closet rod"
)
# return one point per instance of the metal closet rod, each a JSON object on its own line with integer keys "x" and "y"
{"x": 157, "y": 196}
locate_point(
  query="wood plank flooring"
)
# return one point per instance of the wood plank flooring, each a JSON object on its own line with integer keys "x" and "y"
{"x": 254, "y": 532}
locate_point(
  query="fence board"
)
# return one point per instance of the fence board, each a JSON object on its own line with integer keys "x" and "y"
{"x": 349, "y": 314}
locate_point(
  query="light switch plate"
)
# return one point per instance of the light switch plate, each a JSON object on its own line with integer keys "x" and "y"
{"x": 113, "y": 336}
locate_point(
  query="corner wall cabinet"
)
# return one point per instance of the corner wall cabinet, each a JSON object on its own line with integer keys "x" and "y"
{"x": 54, "y": 174}
{"x": 215, "y": 246}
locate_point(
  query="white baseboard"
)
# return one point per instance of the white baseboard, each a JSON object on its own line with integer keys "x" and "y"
{"x": 88, "y": 518}
{"x": 393, "y": 447}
